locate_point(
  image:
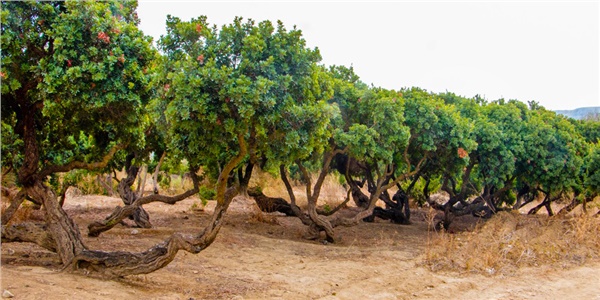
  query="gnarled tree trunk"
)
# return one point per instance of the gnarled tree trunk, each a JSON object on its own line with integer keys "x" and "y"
{"x": 64, "y": 232}
{"x": 118, "y": 264}
{"x": 138, "y": 215}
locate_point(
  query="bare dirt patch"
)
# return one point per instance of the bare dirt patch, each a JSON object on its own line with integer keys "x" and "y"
{"x": 263, "y": 256}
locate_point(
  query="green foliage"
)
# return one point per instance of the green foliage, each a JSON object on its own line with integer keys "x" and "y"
{"x": 164, "y": 180}
{"x": 554, "y": 152}
{"x": 376, "y": 131}
{"x": 11, "y": 143}
{"x": 83, "y": 180}
{"x": 206, "y": 194}
{"x": 80, "y": 70}
{"x": 591, "y": 171}
{"x": 439, "y": 133}
{"x": 588, "y": 128}
{"x": 246, "y": 79}
{"x": 500, "y": 144}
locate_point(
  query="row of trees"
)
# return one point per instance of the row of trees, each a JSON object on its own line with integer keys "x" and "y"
{"x": 83, "y": 88}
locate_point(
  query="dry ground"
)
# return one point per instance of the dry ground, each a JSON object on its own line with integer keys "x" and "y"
{"x": 263, "y": 256}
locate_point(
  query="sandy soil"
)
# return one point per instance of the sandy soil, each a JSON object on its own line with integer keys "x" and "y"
{"x": 263, "y": 256}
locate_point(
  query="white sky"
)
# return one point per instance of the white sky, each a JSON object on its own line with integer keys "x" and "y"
{"x": 543, "y": 51}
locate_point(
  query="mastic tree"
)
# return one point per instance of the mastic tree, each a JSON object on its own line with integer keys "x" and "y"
{"x": 228, "y": 93}
{"x": 440, "y": 137}
{"x": 553, "y": 158}
{"x": 500, "y": 146}
{"x": 75, "y": 83}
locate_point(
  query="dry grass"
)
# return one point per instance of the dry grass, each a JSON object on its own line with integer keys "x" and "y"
{"x": 511, "y": 240}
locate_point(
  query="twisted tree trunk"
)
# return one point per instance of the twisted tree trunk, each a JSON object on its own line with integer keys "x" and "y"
{"x": 138, "y": 215}
{"x": 64, "y": 232}
{"x": 118, "y": 264}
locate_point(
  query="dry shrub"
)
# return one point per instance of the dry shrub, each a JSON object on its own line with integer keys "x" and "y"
{"x": 511, "y": 240}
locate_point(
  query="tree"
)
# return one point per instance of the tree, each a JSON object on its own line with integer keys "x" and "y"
{"x": 553, "y": 156}
{"x": 76, "y": 82}
{"x": 440, "y": 139}
{"x": 231, "y": 92}
{"x": 500, "y": 147}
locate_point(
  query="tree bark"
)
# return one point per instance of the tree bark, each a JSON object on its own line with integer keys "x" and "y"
{"x": 62, "y": 229}
{"x": 270, "y": 204}
{"x": 320, "y": 221}
{"x": 29, "y": 232}
{"x": 245, "y": 178}
{"x": 535, "y": 209}
{"x": 297, "y": 211}
{"x": 139, "y": 215}
{"x": 142, "y": 182}
{"x": 106, "y": 185}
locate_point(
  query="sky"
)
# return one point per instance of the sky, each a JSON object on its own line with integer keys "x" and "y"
{"x": 545, "y": 51}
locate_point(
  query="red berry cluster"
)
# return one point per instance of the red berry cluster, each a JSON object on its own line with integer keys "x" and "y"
{"x": 104, "y": 37}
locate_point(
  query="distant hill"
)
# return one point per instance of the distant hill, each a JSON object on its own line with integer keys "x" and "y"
{"x": 579, "y": 113}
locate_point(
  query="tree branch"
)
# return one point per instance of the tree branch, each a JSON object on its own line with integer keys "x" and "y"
{"x": 82, "y": 165}
{"x": 120, "y": 213}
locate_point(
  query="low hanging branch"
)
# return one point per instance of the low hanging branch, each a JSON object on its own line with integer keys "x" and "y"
{"x": 119, "y": 264}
